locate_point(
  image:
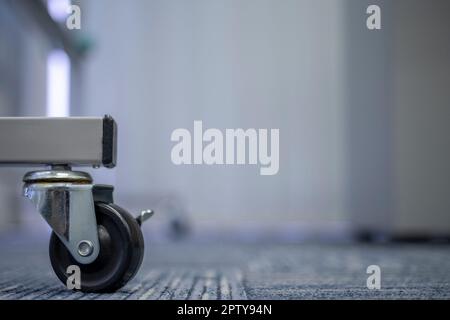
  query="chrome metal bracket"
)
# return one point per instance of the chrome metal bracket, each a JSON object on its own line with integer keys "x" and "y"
{"x": 64, "y": 199}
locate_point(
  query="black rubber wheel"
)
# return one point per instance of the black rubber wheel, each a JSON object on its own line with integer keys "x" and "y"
{"x": 120, "y": 256}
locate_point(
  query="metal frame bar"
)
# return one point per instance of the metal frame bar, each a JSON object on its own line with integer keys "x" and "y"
{"x": 79, "y": 141}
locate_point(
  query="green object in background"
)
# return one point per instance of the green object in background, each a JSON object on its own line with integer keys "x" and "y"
{"x": 83, "y": 44}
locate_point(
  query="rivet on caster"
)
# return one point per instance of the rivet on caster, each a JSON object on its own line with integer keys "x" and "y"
{"x": 89, "y": 230}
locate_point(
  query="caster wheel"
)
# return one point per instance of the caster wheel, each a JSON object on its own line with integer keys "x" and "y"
{"x": 120, "y": 256}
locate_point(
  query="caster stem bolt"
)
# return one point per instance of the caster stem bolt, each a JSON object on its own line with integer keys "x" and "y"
{"x": 85, "y": 248}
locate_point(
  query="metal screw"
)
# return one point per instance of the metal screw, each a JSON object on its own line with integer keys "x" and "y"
{"x": 85, "y": 248}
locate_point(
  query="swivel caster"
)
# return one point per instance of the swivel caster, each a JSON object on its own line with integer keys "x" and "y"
{"x": 89, "y": 230}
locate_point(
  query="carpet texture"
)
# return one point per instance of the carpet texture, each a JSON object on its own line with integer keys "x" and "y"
{"x": 199, "y": 271}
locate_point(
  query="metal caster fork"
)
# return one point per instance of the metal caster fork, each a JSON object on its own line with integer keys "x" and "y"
{"x": 89, "y": 230}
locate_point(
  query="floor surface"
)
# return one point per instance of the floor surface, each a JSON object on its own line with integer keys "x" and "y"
{"x": 193, "y": 271}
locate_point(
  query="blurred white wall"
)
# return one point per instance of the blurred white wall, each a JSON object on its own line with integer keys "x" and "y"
{"x": 362, "y": 114}
{"x": 159, "y": 65}
{"x": 422, "y": 117}
{"x": 398, "y": 110}
{"x": 22, "y": 92}
{"x": 369, "y": 109}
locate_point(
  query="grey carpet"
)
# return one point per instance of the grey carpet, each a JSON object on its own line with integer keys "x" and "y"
{"x": 199, "y": 271}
